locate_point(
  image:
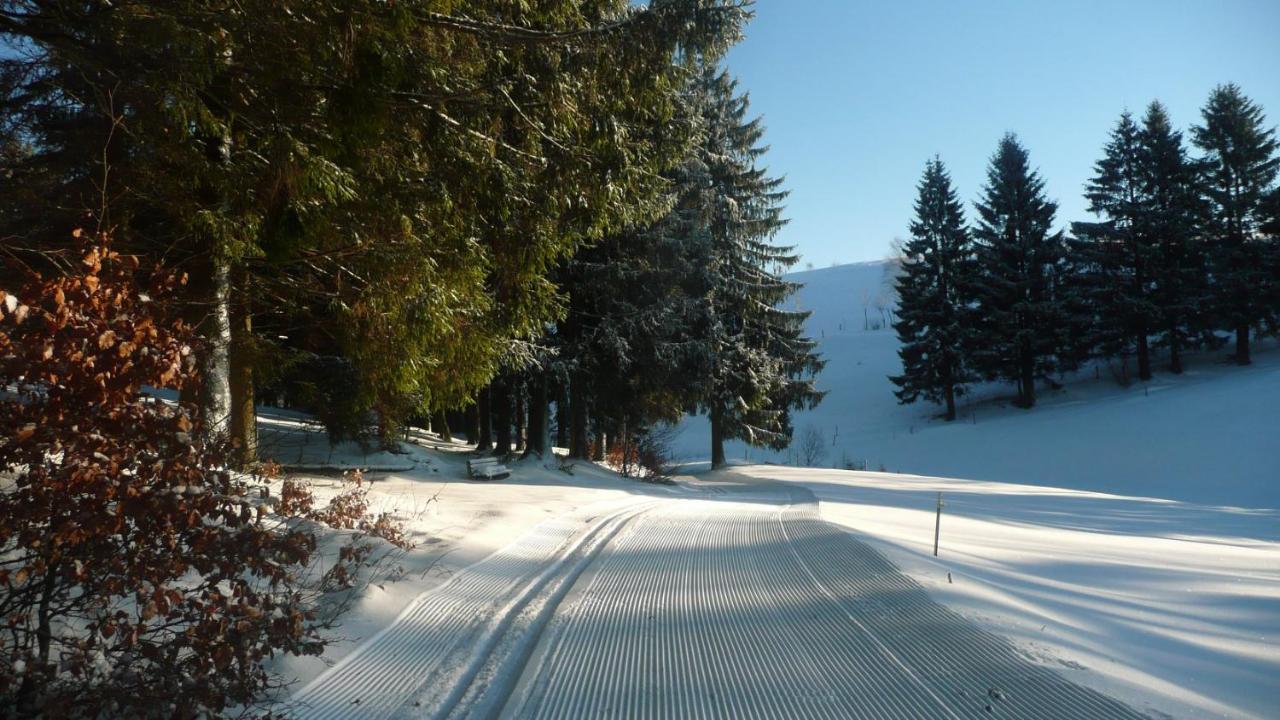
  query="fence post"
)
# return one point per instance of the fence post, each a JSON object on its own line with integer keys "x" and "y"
{"x": 937, "y": 525}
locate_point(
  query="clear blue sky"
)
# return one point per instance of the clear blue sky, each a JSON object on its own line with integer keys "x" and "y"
{"x": 857, "y": 95}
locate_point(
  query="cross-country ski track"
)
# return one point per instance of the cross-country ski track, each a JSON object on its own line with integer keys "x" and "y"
{"x": 737, "y": 601}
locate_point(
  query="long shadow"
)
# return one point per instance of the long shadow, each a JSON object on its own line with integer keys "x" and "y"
{"x": 1078, "y": 511}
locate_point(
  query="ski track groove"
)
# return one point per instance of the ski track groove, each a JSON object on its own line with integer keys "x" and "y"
{"x": 739, "y": 602}
{"x": 434, "y": 637}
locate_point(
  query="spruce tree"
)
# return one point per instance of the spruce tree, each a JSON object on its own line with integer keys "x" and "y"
{"x": 1241, "y": 163}
{"x": 1119, "y": 251}
{"x": 1174, "y": 211}
{"x": 1272, "y": 232}
{"x": 757, "y": 363}
{"x": 1019, "y": 260}
{"x": 384, "y": 182}
{"x": 933, "y": 313}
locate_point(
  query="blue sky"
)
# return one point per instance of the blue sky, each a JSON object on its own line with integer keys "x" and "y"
{"x": 858, "y": 95}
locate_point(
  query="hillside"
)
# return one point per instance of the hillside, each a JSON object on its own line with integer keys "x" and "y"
{"x": 1203, "y": 437}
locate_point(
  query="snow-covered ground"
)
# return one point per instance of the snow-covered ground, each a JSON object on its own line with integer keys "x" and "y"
{"x": 1172, "y": 607}
{"x": 1126, "y": 541}
{"x": 730, "y": 598}
{"x": 455, "y": 522}
{"x": 1208, "y": 436}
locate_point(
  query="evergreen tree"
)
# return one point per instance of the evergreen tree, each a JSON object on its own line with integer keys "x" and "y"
{"x": 758, "y": 365}
{"x": 933, "y": 313}
{"x": 623, "y": 337}
{"x": 1019, "y": 263}
{"x": 1242, "y": 164}
{"x": 1174, "y": 211}
{"x": 1272, "y": 231}
{"x": 1118, "y": 252}
{"x": 378, "y": 181}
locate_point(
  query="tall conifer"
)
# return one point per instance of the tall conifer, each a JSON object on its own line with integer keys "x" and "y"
{"x": 1119, "y": 251}
{"x": 1019, "y": 256}
{"x": 758, "y": 363}
{"x": 1242, "y": 164}
{"x": 933, "y": 289}
{"x": 1175, "y": 209}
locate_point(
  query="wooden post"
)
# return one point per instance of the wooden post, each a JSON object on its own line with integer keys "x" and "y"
{"x": 937, "y": 525}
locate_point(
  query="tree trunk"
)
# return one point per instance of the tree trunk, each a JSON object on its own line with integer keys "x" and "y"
{"x": 484, "y": 431}
{"x": 501, "y": 397}
{"x": 951, "y": 401}
{"x": 215, "y": 364}
{"x": 562, "y": 418}
{"x": 717, "y": 441}
{"x": 623, "y": 440}
{"x": 27, "y": 698}
{"x": 1175, "y": 350}
{"x": 440, "y": 423}
{"x": 598, "y": 450}
{"x": 1027, "y": 384}
{"x": 537, "y": 427}
{"x": 518, "y": 401}
{"x": 244, "y": 419}
{"x": 471, "y": 421}
{"x": 578, "y": 421}
{"x": 1144, "y": 356}
{"x": 1242, "y": 344}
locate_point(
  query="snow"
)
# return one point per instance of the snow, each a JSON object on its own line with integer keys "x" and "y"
{"x": 1125, "y": 538}
{"x": 1205, "y": 437}
{"x": 297, "y": 442}
{"x": 1172, "y": 607}
{"x": 1129, "y": 536}
{"x": 733, "y": 599}
{"x": 455, "y": 522}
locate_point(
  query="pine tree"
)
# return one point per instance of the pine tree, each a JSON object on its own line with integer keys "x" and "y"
{"x": 758, "y": 363}
{"x": 1019, "y": 260}
{"x": 933, "y": 312}
{"x": 1119, "y": 251}
{"x": 1242, "y": 164}
{"x": 1174, "y": 211}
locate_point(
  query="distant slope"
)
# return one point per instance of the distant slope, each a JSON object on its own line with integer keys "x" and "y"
{"x": 1207, "y": 436}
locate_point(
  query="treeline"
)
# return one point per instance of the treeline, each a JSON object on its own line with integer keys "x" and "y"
{"x": 1185, "y": 253}
{"x": 387, "y": 214}
{"x": 680, "y": 314}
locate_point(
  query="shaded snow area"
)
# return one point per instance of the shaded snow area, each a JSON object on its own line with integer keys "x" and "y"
{"x": 1172, "y": 607}
{"x": 728, "y": 598}
{"x": 1208, "y": 436}
{"x": 297, "y": 442}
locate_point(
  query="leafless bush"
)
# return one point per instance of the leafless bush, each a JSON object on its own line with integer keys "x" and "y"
{"x": 812, "y": 445}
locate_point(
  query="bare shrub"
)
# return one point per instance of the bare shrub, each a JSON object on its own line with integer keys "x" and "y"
{"x": 811, "y": 445}
{"x": 645, "y": 455}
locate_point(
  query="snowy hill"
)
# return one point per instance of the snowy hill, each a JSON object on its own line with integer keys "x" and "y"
{"x": 1205, "y": 437}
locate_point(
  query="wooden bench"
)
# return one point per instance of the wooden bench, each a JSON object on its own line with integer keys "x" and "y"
{"x": 487, "y": 469}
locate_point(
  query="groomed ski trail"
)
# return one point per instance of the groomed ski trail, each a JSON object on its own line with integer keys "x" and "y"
{"x": 740, "y": 603}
